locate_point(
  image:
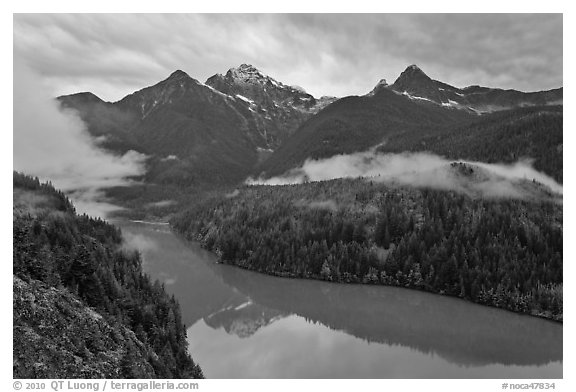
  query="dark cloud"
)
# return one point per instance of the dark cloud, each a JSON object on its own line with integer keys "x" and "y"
{"x": 335, "y": 54}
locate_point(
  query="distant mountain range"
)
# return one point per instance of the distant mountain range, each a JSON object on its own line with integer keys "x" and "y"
{"x": 245, "y": 123}
{"x": 416, "y": 85}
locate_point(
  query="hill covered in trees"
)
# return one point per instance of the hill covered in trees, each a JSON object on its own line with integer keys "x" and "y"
{"x": 503, "y": 253}
{"x": 501, "y": 137}
{"x": 82, "y": 307}
{"x": 354, "y": 124}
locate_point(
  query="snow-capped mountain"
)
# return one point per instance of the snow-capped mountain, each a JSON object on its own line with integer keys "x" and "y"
{"x": 277, "y": 108}
{"x": 207, "y": 135}
{"x": 244, "y": 123}
{"x": 419, "y": 87}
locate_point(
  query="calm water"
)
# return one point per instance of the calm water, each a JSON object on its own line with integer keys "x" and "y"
{"x": 247, "y": 325}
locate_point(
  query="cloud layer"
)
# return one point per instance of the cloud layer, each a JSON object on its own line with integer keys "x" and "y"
{"x": 518, "y": 181}
{"x": 328, "y": 54}
{"x": 54, "y": 145}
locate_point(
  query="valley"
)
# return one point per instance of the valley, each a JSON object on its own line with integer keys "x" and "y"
{"x": 245, "y": 324}
{"x": 419, "y": 223}
{"x": 409, "y": 229}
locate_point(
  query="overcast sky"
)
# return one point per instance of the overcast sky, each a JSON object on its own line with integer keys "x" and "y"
{"x": 338, "y": 54}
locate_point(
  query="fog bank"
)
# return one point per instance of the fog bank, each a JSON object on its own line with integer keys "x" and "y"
{"x": 518, "y": 180}
{"x": 54, "y": 145}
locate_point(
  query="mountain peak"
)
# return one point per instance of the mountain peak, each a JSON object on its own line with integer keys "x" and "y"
{"x": 245, "y": 72}
{"x": 85, "y": 96}
{"x": 178, "y": 74}
{"x": 380, "y": 85}
{"x": 412, "y": 79}
{"x": 247, "y": 67}
{"x": 413, "y": 71}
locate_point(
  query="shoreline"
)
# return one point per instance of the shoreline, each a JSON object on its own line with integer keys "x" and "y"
{"x": 289, "y": 275}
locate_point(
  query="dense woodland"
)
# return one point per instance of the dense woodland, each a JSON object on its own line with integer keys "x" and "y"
{"x": 84, "y": 256}
{"x": 503, "y": 253}
{"x": 508, "y": 136}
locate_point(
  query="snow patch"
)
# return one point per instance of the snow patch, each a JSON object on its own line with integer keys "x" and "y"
{"x": 416, "y": 97}
{"x": 451, "y": 104}
{"x": 244, "y": 98}
{"x": 299, "y": 89}
{"x": 216, "y": 91}
{"x": 242, "y": 306}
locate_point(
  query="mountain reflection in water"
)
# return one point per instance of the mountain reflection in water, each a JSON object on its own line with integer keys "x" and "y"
{"x": 245, "y": 324}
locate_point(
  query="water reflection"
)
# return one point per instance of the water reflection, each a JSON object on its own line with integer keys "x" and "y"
{"x": 245, "y": 324}
{"x": 243, "y": 320}
{"x": 458, "y": 331}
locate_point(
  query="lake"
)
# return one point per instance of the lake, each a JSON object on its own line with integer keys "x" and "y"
{"x": 243, "y": 324}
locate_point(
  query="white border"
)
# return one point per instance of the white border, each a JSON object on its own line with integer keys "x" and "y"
{"x": 301, "y": 6}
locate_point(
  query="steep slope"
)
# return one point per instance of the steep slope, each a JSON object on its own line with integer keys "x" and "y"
{"x": 246, "y": 123}
{"x": 109, "y": 124}
{"x": 278, "y": 109}
{"x": 83, "y": 308}
{"x": 192, "y": 133}
{"x": 354, "y": 124}
{"x": 412, "y": 108}
{"x": 415, "y": 84}
{"x": 501, "y": 137}
{"x": 195, "y": 133}
{"x": 56, "y": 335}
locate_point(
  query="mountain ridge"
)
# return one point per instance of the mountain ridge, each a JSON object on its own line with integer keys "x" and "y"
{"x": 244, "y": 122}
{"x": 279, "y": 108}
{"x": 417, "y": 85}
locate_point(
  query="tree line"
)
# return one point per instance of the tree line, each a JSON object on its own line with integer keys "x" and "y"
{"x": 84, "y": 256}
{"x": 503, "y": 253}
{"x": 502, "y": 137}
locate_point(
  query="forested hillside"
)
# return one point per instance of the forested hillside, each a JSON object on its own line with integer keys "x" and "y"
{"x": 504, "y": 253}
{"x": 355, "y": 124}
{"x": 83, "y": 308}
{"x": 503, "y": 137}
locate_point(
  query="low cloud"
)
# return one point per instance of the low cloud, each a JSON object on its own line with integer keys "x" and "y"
{"x": 140, "y": 243}
{"x": 478, "y": 179}
{"x": 54, "y": 145}
{"x": 232, "y": 194}
{"x": 161, "y": 204}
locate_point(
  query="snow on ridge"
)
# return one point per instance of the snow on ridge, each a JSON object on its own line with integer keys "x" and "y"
{"x": 216, "y": 91}
{"x": 299, "y": 89}
{"x": 245, "y": 99}
{"x": 451, "y": 104}
{"x": 417, "y": 97}
{"x": 243, "y": 305}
